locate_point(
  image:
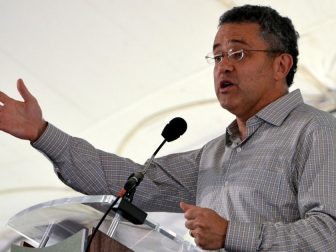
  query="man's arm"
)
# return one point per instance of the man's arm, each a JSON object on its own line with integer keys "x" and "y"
{"x": 315, "y": 176}
{"x": 92, "y": 171}
{"x": 86, "y": 169}
{"x": 315, "y": 182}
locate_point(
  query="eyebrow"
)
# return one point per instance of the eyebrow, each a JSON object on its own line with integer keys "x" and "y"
{"x": 232, "y": 41}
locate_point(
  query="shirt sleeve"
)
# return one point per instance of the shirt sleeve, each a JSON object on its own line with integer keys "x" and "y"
{"x": 315, "y": 177}
{"x": 88, "y": 170}
{"x": 77, "y": 163}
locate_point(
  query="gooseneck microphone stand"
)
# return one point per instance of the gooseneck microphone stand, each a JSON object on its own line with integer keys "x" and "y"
{"x": 173, "y": 130}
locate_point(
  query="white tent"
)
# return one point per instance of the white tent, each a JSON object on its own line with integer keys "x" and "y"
{"x": 116, "y": 71}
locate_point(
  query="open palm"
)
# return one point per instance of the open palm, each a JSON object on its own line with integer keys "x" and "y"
{"x": 22, "y": 119}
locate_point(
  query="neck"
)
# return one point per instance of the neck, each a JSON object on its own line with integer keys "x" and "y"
{"x": 242, "y": 128}
{"x": 245, "y": 115}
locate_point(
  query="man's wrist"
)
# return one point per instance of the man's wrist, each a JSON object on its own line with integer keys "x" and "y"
{"x": 40, "y": 131}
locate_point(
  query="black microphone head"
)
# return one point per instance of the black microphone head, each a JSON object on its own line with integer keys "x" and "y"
{"x": 174, "y": 129}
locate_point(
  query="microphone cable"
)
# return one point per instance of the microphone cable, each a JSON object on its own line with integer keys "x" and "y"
{"x": 99, "y": 223}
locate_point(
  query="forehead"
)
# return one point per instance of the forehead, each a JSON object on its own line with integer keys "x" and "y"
{"x": 247, "y": 34}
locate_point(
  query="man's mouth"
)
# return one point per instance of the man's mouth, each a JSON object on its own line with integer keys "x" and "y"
{"x": 225, "y": 84}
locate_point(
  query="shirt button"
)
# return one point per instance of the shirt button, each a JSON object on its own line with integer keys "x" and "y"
{"x": 239, "y": 149}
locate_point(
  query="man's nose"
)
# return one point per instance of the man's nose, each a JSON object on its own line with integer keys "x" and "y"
{"x": 224, "y": 66}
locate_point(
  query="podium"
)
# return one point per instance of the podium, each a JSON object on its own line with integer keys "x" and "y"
{"x": 62, "y": 221}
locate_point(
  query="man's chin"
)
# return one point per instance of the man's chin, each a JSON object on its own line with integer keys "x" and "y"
{"x": 229, "y": 106}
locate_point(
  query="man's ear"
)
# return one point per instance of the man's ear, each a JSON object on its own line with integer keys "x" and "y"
{"x": 281, "y": 65}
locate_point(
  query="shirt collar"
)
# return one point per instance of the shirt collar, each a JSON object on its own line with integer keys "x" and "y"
{"x": 276, "y": 112}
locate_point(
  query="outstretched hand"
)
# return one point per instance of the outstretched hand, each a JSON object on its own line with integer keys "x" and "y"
{"x": 205, "y": 225}
{"x": 22, "y": 119}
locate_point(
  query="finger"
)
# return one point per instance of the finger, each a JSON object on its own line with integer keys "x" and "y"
{"x": 4, "y": 98}
{"x": 190, "y": 224}
{"x": 198, "y": 242}
{"x": 195, "y": 235}
{"x": 23, "y": 90}
{"x": 190, "y": 211}
{"x": 185, "y": 207}
{"x": 198, "y": 237}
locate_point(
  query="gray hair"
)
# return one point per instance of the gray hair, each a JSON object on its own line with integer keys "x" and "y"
{"x": 276, "y": 30}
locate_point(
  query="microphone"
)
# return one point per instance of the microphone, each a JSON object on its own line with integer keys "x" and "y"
{"x": 173, "y": 130}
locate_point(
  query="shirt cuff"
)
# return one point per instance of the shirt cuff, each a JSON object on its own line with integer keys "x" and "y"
{"x": 243, "y": 236}
{"x": 52, "y": 142}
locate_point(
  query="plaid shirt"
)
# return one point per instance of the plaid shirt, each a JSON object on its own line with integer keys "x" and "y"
{"x": 277, "y": 187}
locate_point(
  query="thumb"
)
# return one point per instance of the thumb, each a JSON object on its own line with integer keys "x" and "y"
{"x": 185, "y": 207}
{"x": 24, "y": 92}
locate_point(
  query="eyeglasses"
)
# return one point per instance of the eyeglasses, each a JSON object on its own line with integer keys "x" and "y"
{"x": 232, "y": 55}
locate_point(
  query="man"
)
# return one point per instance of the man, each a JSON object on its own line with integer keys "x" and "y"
{"x": 267, "y": 184}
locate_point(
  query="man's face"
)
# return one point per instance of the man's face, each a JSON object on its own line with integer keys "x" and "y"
{"x": 244, "y": 87}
